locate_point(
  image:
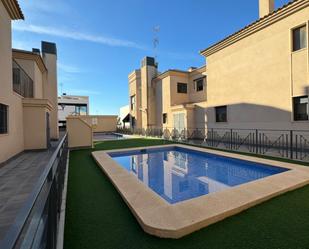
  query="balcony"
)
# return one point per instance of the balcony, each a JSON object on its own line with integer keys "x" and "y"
{"x": 22, "y": 83}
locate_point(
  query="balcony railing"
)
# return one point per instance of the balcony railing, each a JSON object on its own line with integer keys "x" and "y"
{"x": 36, "y": 225}
{"x": 22, "y": 83}
{"x": 290, "y": 144}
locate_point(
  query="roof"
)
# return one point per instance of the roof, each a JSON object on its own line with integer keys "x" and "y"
{"x": 13, "y": 9}
{"x": 65, "y": 96}
{"x": 261, "y": 23}
{"x": 170, "y": 71}
{"x": 73, "y": 99}
{"x": 127, "y": 118}
{"x": 27, "y": 55}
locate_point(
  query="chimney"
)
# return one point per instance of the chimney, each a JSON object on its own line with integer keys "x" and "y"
{"x": 36, "y": 51}
{"x": 191, "y": 69}
{"x": 49, "y": 54}
{"x": 266, "y": 7}
{"x": 149, "y": 61}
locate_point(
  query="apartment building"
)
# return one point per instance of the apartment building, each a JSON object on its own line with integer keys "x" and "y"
{"x": 256, "y": 78}
{"x": 180, "y": 98}
{"x": 259, "y": 76}
{"x": 28, "y": 96}
{"x": 174, "y": 98}
{"x": 71, "y": 105}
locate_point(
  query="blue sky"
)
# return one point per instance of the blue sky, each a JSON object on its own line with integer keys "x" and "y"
{"x": 101, "y": 41}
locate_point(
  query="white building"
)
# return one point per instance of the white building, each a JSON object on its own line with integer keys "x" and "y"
{"x": 71, "y": 105}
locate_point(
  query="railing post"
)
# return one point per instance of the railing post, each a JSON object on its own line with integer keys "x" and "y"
{"x": 296, "y": 146}
{"x": 291, "y": 144}
{"x": 212, "y": 137}
{"x": 256, "y": 141}
{"x": 231, "y": 139}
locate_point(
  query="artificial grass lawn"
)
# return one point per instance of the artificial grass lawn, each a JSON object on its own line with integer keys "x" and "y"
{"x": 97, "y": 217}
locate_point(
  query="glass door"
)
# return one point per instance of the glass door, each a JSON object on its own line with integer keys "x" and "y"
{"x": 179, "y": 121}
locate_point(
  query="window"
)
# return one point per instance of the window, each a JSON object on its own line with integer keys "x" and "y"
{"x": 221, "y": 114}
{"x": 199, "y": 85}
{"x": 299, "y": 38}
{"x": 132, "y": 101}
{"x": 179, "y": 121}
{"x": 3, "y": 119}
{"x": 22, "y": 83}
{"x": 81, "y": 110}
{"x": 182, "y": 88}
{"x": 300, "y": 108}
{"x": 164, "y": 118}
{"x": 133, "y": 121}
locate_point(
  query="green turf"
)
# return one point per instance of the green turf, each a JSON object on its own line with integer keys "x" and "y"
{"x": 96, "y": 216}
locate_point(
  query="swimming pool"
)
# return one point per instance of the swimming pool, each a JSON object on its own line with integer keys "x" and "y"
{"x": 107, "y": 136}
{"x": 178, "y": 174}
{"x": 174, "y": 190}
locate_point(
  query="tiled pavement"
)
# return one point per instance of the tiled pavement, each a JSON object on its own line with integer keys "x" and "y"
{"x": 17, "y": 179}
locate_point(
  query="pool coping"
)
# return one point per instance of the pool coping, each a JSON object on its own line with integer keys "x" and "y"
{"x": 162, "y": 219}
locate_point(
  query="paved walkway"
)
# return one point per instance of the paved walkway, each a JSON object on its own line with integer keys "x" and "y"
{"x": 17, "y": 179}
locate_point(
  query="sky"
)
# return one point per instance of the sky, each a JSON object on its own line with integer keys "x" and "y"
{"x": 100, "y": 42}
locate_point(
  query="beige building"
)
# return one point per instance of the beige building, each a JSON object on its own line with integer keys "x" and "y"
{"x": 28, "y": 96}
{"x": 173, "y": 99}
{"x": 257, "y": 78}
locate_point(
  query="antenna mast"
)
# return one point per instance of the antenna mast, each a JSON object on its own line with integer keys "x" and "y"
{"x": 156, "y": 31}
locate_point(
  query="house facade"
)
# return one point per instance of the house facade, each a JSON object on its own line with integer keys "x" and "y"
{"x": 71, "y": 105}
{"x": 257, "y": 78}
{"x": 172, "y": 99}
{"x": 28, "y": 96}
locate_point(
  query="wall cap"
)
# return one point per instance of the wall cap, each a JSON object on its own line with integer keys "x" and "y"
{"x": 40, "y": 103}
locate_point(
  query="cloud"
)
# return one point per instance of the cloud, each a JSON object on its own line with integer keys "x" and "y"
{"x": 75, "y": 35}
{"x": 68, "y": 68}
{"x": 23, "y": 45}
{"x": 41, "y": 7}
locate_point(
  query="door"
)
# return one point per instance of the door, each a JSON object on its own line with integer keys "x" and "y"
{"x": 179, "y": 121}
{"x": 47, "y": 130}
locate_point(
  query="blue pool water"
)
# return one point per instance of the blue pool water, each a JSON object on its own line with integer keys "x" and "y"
{"x": 178, "y": 174}
{"x": 108, "y": 136}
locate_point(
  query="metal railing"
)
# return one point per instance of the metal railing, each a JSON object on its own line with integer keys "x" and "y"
{"x": 22, "y": 83}
{"x": 36, "y": 225}
{"x": 291, "y": 144}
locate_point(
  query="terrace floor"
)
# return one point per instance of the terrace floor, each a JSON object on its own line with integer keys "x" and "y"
{"x": 97, "y": 217}
{"x": 17, "y": 179}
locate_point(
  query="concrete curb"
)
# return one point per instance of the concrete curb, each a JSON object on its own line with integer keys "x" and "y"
{"x": 60, "y": 233}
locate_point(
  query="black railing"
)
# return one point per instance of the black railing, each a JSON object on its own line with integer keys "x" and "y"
{"x": 36, "y": 225}
{"x": 22, "y": 83}
{"x": 291, "y": 144}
